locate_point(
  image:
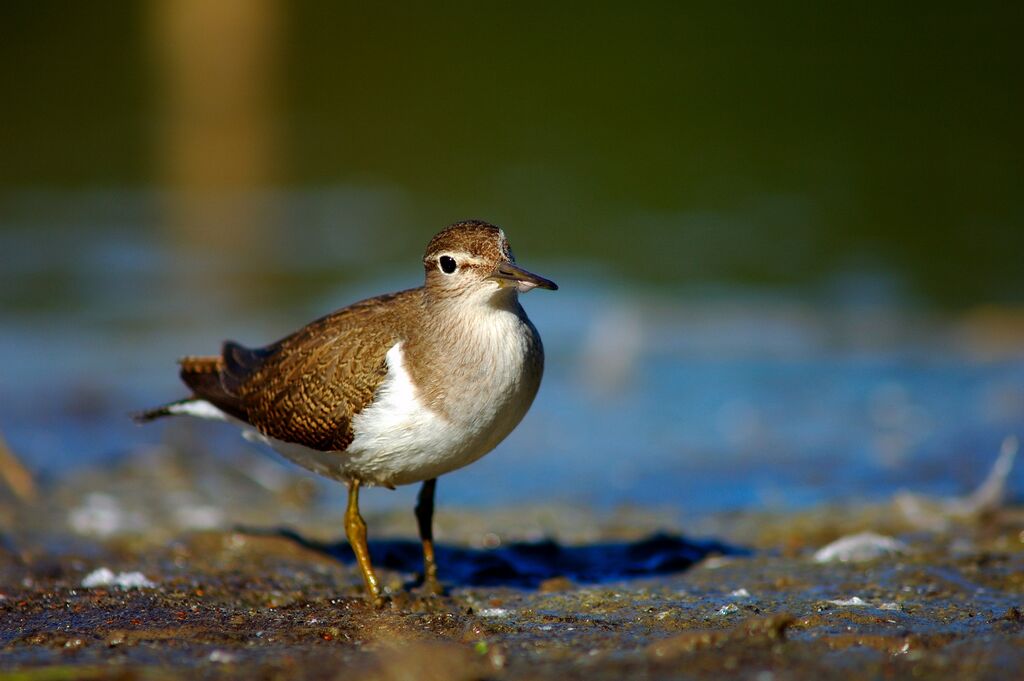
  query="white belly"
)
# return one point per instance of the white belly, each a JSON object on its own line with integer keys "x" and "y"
{"x": 399, "y": 440}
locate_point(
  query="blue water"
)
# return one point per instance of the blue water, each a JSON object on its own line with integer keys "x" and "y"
{"x": 700, "y": 400}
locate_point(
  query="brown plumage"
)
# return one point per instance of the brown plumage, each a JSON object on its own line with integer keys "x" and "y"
{"x": 307, "y": 387}
{"x": 392, "y": 390}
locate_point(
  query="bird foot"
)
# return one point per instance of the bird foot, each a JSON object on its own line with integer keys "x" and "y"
{"x": 430, "y": 587}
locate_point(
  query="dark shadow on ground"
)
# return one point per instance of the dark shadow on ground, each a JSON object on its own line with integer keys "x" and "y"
{"x": 527, "y": 564}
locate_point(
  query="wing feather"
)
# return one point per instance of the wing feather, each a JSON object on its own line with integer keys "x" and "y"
{"x": 307, "y": 388}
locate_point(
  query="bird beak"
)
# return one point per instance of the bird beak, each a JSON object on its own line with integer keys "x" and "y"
{"x": 507, "y": 274}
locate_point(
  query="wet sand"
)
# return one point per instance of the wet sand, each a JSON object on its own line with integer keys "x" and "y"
{"x": 269, "y": 590}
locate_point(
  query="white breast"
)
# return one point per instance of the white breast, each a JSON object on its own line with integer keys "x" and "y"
{"x": 400, "y": 440}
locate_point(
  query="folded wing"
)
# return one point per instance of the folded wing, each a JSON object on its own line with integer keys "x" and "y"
{"x": 305, "y": 388}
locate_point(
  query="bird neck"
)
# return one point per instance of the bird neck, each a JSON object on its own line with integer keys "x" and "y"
{"x": 461, "y": 341}
{"x": 452, "y": 305}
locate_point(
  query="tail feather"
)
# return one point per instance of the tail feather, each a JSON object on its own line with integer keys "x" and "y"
{"x": 205, "y": 376}
{"x": 202, "y": 375}
{"x": 158, "y": 412}
{"x": 213, "y": 381}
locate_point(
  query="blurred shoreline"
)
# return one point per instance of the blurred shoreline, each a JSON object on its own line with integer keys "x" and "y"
{"x": 707, "y": 398}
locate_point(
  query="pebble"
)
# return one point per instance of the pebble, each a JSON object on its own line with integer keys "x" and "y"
{"x": 859, "y": 547}
{"x": 125, "y": 580}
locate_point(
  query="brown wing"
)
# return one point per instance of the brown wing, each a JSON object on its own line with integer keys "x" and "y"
{"x": 307, "y": 387}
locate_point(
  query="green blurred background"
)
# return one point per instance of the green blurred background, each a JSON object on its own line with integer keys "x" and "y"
{"x": 785, "y": 145}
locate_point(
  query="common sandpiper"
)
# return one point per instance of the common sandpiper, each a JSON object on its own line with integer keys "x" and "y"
{"x": 393, "y": 390}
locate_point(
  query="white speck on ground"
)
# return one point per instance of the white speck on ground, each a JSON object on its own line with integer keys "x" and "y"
{"x": 493, "y": 612}
{"x": 856, "y": 600}
{"x": 221, "y": 656}
{"x": 123, "y": 580}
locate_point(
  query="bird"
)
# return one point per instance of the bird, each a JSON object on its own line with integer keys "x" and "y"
{"x": 392, "y": 390}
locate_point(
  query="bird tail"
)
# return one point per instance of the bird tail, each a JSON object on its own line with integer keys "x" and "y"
{"x": 169, "y": 409}
{"x": 202, "y": 375}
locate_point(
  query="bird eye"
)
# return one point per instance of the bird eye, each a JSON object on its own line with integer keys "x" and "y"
{"x": 448, "y": 264}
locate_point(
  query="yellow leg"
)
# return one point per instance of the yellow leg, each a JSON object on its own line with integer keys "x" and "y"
{"x": 425, "y": 520}
{"x": 355, "y": 529}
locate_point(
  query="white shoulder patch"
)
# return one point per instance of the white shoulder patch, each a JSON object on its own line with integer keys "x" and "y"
{"x": 399, "y": 439}
{"x": 396, "y": 408}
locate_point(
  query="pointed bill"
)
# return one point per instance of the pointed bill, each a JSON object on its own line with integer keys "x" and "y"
{"x": 510, "y": 274}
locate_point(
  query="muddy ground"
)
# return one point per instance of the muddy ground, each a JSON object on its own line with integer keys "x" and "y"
{"x": 108, "y": 575}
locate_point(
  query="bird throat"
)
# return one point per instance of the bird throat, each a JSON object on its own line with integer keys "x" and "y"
{"x": 468, "y": 350}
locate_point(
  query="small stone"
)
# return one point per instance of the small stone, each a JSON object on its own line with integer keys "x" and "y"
{"x": 221, "y": 657}
{"x": 125, "y": 580}
{"x": 555, "y": 584}
{"x": 859, "y": 547}
{"x": 855, "y": 601}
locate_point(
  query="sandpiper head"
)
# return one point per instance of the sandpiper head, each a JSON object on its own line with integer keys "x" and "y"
{"x": 474, "y": 258}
